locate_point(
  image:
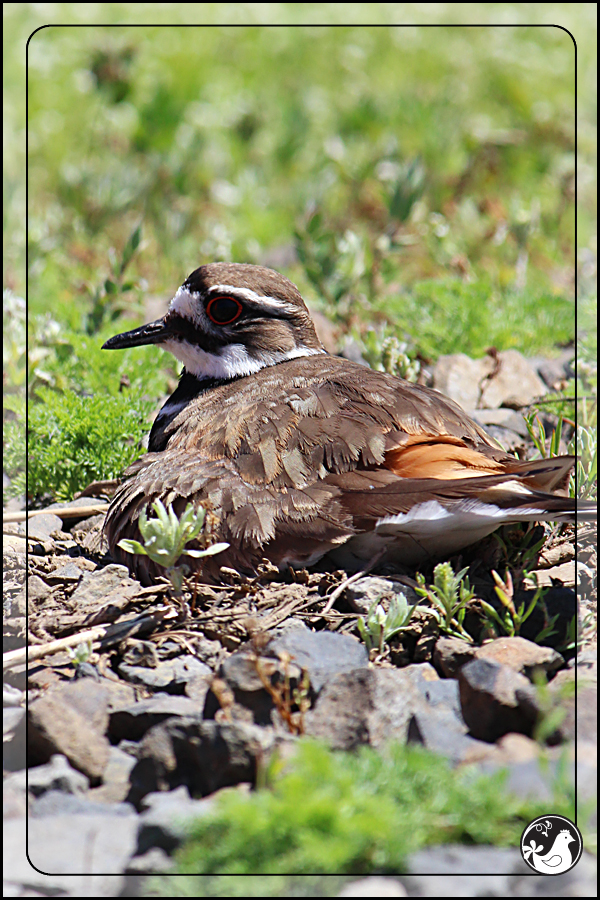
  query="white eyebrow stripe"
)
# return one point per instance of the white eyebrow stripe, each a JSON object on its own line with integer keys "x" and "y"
{"x": 186, "y": 304}
{"x": 268, "y": 302}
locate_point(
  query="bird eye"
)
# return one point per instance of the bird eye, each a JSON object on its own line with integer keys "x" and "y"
{"x": 224, "y": 310}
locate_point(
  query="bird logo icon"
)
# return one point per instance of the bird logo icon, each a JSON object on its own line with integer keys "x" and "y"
{"x": 558, "y": 850}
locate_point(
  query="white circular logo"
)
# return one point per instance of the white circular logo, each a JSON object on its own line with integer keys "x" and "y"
{"x": 551, "y": 845}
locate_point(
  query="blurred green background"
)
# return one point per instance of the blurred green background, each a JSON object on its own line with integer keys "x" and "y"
{"x": 414, "y": 181}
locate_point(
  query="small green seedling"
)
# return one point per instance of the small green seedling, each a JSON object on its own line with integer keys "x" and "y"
{"x": 81, "y": 653}
{"x": 165, "y": 539}
{"x": 380, "y": 627}
{"x": 510, "y": 619}
{"x": 449, "y": 596}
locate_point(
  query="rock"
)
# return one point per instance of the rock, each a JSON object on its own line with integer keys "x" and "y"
{"x": 37, "y": 589}
{"x": 563, "y": 574}
{"x": 154, "y": 862}
{"x": 131, "y": 722}
{"x": 516, "y": 748}
{"x": 57, "y": 775}
{"x": 71, "y": 720}
{"x": 56, "y": 803}
{"x": 322, "y": 654}
{"x": 97, "y": 586}
{"x": 440, "y": 731}
{"x": 452, "y": 862}
{"x": 587, "y": 665}
{"x": 63, "y": 858}
{"x": 70, "y": 574}
{"x": 580, "y": 720}
{"x": 115, "y": 778}
{"x": 507, "y": 419}
{"x": 241, "y": 672}
{"x": 376, "y": 886}
{"x": 521, "y": 655}
{"x": 554, "y": 371}
{"x": 166, "y": 817}
{"x": 43, "y": 527}
{"x": 495, "y": 700}
{"x": 171, "y": 676}
{"x": 202, "y": 755}
{"x": 472, "y": 384}
{"x": 373, "y": 706}
{"x": 362, "y": 594}
{"x": 555, "y": 556}
{"x": 450, "y": 654}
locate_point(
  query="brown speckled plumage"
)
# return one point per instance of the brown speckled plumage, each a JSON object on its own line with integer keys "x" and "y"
{"x": 308, "y": 453}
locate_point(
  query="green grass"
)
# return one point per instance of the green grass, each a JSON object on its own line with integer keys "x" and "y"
{"x": 340, "y": 814}
{"x": 414, "y": 182}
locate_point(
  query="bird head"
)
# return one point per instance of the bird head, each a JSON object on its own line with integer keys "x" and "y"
{"x": 229, "y": 320}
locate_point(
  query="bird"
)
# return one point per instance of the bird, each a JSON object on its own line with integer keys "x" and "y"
{"x": 296, "y": 454}
{"x": 558, "y": 859}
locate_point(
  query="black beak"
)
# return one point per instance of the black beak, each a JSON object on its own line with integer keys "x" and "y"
{"x": 153, "y": 333}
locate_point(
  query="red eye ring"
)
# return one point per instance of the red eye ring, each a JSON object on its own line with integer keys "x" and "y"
{"x": 227, "y": 314}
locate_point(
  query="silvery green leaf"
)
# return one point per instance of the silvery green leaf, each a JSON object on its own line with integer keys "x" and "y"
{"x": 210, "y": 551}
{"x": 132, "y": 547}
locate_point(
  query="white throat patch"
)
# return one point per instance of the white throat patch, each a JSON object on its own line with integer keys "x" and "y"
{"x": 232, "y": 361}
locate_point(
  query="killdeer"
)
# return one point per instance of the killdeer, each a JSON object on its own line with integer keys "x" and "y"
{"x": 296, "y": 453}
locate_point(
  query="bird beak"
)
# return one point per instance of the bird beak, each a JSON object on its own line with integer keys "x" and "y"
{"x": 152, "y": 333}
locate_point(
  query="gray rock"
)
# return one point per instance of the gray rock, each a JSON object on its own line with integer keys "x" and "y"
{"x": 450, "y": 863}
{"x": 166, "y": 818}
{"x": 154, "y": 862}
{"x": 71, "y": 720}
{"x": 522, "y": 656}
{"x": 131, "y": 722}
{"x": 43, "y": 527}
{"x": 450, "y": 654}
{"x": 14, "y": 719}
{"x": 506, "y": 419}
{"x": 57, "y": 775}
{"x": 376, "y": 886}
{"x": 321, "y": 653}
{"x": 373, "y": 706}
{"x": 362, "y": 594}
{"x": 75, "y": 856}
{"x": 202, "y": 755}
{"x": 170, "y": 676}
{"x": 472, "y": 384}
{"x": 115, "y": 778}
{"x": 70, "y": 574}
{"x": 57, "y": 803}
{"x": 440, "y": 731}
{"x": 554, "y": 371}
{"x": 37, "y": 589}
{"x": 495, "y": 700}
{"x": 96, "y": 586}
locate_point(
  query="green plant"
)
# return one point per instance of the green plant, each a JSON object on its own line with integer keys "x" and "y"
{"x": 520, "y": 547}
{"x": 336, "y": 814}
{"x": 166, "y": 537}
{"x": 383, "y": 351}
{"x": 537, "y": 433}
{"x": 107, "y": 300}
{"x": 449, "y": 596}
{"x": 380, "y": 627}
{"x": 584, "y": 445}
{"x": 511, "y": 618}
{"x": 75, "y": 440}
